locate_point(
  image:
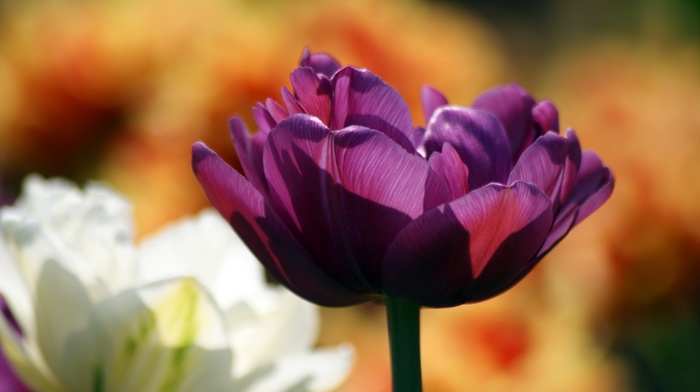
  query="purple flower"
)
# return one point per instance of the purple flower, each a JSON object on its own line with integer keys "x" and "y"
{"x": 345, "y": 201}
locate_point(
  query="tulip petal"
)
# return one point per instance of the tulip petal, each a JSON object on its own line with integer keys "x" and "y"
{"x": 542, "y": 164}
{"x": 469, "y": 249}
{"x": 593, "y": 187}
{"x": 546, "y": 116}
{"x": 249, "y": 151}
{"x": 322, "y": 370}
{"x": 263, "y": 118}
{"x": 479, "y": 139}
{"x": 276, "y": 110}
{"x": 512, "y": 105}
{"x": 449, "y": 165}
{"x": 264, "y": 233}
{"x": 313, "y": 92}
{"x": 362, "y": 98}
{"x": 346, "y": 193}
{"x": 431, "y": 99}
{"x": 321, "y": 63}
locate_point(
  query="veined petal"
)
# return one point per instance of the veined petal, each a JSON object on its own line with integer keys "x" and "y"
{"x": 362, "y": 98}
{"x": 542, "y": 164}
{"x": 264, "y": 233}
{"x": 291, "y": 102}
{"x": 431, "y": 99}
{"x": 276, "y": 110}
{"x": 321, "y": 63}
{"x": 344, "y": 193}
{"x": 470, "y": 248}
{"x": 593, "y": 186}
{"x": 313, "y": 92}
{"x": 512, "y": 105}
{"x": 479, "y": 139}
{"x": 263, "y": 118}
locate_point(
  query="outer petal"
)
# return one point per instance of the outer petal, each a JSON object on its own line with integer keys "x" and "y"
{"x": 479, "y": 139}
{"x": 264, "y": 233}
{"x": 431, "y": 99}
{"x": 513, "y": 107}
{"x": 313, "y": 92}
{"x": 344, "y": 194}
{"x": 263, "y": 118}
{"x": 321, "y": 63}
{"x": 470, "y": 249}
{"x": 362, "y": 98}
{"x": 291, "y": 102}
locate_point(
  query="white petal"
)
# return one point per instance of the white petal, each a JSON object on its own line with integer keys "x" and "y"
{"x": 322, "y": 370}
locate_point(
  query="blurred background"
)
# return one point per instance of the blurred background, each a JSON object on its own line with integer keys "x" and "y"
{"x": 118, "y": 91}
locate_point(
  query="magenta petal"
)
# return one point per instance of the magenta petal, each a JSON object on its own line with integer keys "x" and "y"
{"x": 450, "y": 167}
{"x": 263, "y": 118}
{"x": 276, "y": 110}
{"x": 479, "y": 139}
{"x": 542, "y": 164}
{"x": 546, "y": 116}
{"x": 470, "y": 249}
{"x": 293, "y": 106}
{"x": 362, "y": 98}
{"x": 313, "y": 92}
{"x": 431, "y": 99}
{"x": 264, "y": 233}
{"x": 346, "y": 193}
{"x": 321, "y": 63}
{"x": 593, "y": 187}
{"x": 512, "y": 105}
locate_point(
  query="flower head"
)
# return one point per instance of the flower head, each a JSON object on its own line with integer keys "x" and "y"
{"x": 176, "y": 313}
{"x": 345, "y": 200}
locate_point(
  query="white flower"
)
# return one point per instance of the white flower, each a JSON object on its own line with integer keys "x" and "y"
{"x": 187, "y": 310}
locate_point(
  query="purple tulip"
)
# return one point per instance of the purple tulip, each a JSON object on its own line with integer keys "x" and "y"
{"x": 345, "y": 201}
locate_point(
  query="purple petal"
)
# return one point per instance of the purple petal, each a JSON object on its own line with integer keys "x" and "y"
{"x": 290, "y": 102}
{"x": 276, "y": 110}
{"x": 546, "y": 117}
{"x": 313, "y": 92}
{"x": 542, "y": 164}
{"x": 512, "y": 105}
{"x": 479, "y": 139}
{"x": 9, "y": 380}
{"x": 592, "y": 187}
{"x": 469, "y": 249}
{"x": 345, "y": 194}
{"x": 249, "y": 151}
{"x": 362, "y": 98}
{"x": 321, "y": 63}
{"x": 263, "y": 118}
{"x": 449, "y": 166}
{"x": 432, "y": 99}
{"x": 264, "y": 233}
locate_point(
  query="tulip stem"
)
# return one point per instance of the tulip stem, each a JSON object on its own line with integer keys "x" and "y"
{"x": 403, "y": 319}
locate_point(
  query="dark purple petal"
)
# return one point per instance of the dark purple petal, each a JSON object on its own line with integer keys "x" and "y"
{"x": 345, "y": 194}
{"x": 263, "y": 118}
{"x": 573, "y": 163}
{"x": 431, "y": 99}
{"x": 479, "y": 139}
{"x": 542, "y": 164}
{"x": 450, "y": 167}
{"x": 362, "y": 98}
{"x": 469, "y": 249}
{"x": 313, "y": 92}
{"x": 321, "y": 63}
{"x": 418, "y": 138}
{"x": 546, "y": 117}
{"x": 512, "y": 105}
{"x": 264, "y": 233}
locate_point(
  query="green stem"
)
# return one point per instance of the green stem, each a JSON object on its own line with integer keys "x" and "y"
{"x": 403, "y": 318}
